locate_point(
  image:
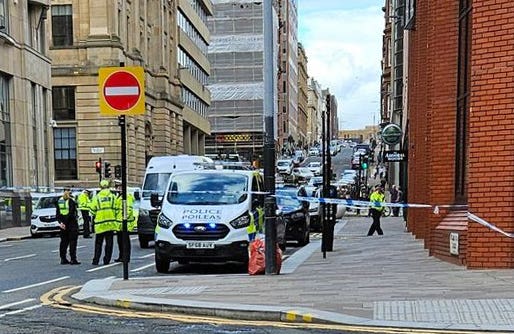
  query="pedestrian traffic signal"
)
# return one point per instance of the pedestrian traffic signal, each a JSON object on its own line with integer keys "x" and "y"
{"x": 107, "y": 169}
{"x": 364, "y": 162}
{"x": 98, "y": 166}
{"x": 117, "y": 171}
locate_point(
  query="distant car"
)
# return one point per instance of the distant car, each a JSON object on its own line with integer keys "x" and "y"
{"x": 295, "y": 214}
{"x": 284, "y": 166}
{"x": 298, "y": 156}
{"x": 313, "y": 184}
{"x": 315, "y": 167}
{"x": 43, "y": 219}
{"x": 302, "y": 174}
{"x": 314, "y": 151}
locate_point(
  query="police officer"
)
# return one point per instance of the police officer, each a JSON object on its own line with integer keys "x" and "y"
{"x": 256, "y": 220}
{"x": 66, "y": 214}
{"x": 131, "y": 220}
{"x": 103, "y": 209}
{"x": 84, "y": 200}
{"x": 377, "y": 199}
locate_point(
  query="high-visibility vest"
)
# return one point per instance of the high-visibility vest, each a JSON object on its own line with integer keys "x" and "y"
{"x": 83, "y": 201}
{"x": 103, "y": 208}
{"x": 256, "y": 221}
{"x": 377, "y": 197}
{"x": 64, "y": 207}
{"x": 131, "y": 217}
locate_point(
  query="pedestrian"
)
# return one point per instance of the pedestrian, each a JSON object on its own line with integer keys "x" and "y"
{"x": 103, "y": 209}
{"x": 131, "y": 221}
{"x": 66, "y": 214}
{"x": 377, "y": 199}
{"x": 396, "y": 197}
{"x": 84, "y": 199}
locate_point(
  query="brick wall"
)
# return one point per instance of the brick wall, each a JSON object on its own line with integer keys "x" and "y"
{"x": 491, "y": 139}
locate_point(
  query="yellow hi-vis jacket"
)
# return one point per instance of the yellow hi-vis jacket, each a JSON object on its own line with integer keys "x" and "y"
{"x": 103, "y": 208}
{"x": 377, "y": 197}
{"x": 131, "y": 217}
{"x": 83, "y": 202}
{"x": 256, "y": 223}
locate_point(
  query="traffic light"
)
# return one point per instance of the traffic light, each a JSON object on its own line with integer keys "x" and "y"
{"x": 117, "y": 171}
{"x": 364, "y": 162}
{"x": 107, "y": 169}
{"x": 98, "y": 166}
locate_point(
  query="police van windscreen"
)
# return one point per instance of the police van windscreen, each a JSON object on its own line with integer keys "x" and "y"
{"x": 208, "y": 189}
{"x": 155, "y": 183}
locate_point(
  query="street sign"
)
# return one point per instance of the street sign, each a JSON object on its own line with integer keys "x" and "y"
{"x": 395, "y": 156}
{"x": 121, "y": 91}
{"x": 391, "y": 134}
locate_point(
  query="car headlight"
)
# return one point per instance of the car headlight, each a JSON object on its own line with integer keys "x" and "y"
{"x": 34, "y": 217}
{"x": 241, "y": 222}
{"x": 164, "y": 221}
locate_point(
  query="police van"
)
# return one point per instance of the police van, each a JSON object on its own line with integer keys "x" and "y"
{"x": 156, "y": 178}
{"x": 204, "y": 217}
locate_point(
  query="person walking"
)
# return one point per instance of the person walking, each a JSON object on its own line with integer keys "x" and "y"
{"x": 377, "y": 199}
{"x": 84, "y": 199}
{"x": 131, "y": 221}
{"x": 103, "y": 209}
{"x": 66, "y": 214}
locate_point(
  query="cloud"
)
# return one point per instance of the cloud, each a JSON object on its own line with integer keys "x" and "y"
{"x": 343, "y": 43}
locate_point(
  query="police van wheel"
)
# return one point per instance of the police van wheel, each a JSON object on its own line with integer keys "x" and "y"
{"x": 162, "y": 263}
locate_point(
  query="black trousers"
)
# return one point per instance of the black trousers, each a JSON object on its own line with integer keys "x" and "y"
{"x": 99, "y": 240}
{"x": 119, "y": 238}
{"x": 396, "y": 211}
{"x": 68, "y": 239}
{"x": 375, "y": 226}
{"x": 87, "y": 220}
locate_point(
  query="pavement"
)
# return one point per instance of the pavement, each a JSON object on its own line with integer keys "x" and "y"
{"x": 383, "y": 281}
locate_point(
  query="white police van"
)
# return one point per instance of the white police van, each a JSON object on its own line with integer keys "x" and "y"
{"x": 204, "y": 217}
{"x": 158, "y": 172}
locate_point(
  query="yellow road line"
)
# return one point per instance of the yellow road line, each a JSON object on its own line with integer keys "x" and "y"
{"x": 55, "y": 298}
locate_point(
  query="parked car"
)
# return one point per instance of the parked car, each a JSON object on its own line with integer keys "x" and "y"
{"x": 43, "y": 219}
{"x": 302, "y": 174}
{"x": 284, "y": 166}
{"x": 313, "y": 184}
{"x": 315, "y": 167}
{"x": 295, "y": 214}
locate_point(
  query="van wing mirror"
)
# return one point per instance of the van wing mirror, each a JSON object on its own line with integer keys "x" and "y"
{"x": 155, "y": 201}
{"x": 137, "y": 195}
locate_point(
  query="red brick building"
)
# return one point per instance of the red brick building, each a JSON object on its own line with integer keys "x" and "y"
{"x": 460, "y": 108}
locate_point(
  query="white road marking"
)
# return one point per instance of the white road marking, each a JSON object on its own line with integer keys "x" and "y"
{"x": 21, "y": 310}
{"x": 146, "y": 256}
{"x": 5, "y": 246}
{"x": 36, "y": 284}
{"x": 121, "y": 91}
{"x": 3, "y": 307}
{"x": 142, "y": 268}
{"x": 134, "y": 237}
{"x": 57, "y": 251}
{"x": 103, "y": 267}
{"x": 19, "y": 257}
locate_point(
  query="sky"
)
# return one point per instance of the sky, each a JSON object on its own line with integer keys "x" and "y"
{"x": 343, "y": 43}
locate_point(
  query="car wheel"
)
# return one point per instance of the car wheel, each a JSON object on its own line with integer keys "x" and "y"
{"x": 143, "y": 240}
{"x": 162, "y": 263}
{"x": 306, "y": 238}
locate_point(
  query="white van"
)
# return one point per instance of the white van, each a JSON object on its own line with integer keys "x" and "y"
{"x": 158, "y": 172}
{"x": 204, "y": 217}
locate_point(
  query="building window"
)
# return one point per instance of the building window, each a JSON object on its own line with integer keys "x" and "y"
{"x": 3, "y": 16}
{"x": 410, "y": 14}
{"x": 5, "y": 133}
{"x": 63, "y": 101}
{"x": 65, "y": 154}
{"x": 463, "y": 92}
{"x": 62, "y": 25}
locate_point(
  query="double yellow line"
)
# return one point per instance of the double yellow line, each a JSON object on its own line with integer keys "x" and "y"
{"x": 59, "y": 298}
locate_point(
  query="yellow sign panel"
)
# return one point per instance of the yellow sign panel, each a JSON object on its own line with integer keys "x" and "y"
{"x": 121, "y": 91}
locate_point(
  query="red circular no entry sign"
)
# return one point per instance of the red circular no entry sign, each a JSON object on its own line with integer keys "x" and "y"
{"x": 122, "y": 90}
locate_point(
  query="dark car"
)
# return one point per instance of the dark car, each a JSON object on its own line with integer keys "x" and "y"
{"x": 295, "y": 214}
